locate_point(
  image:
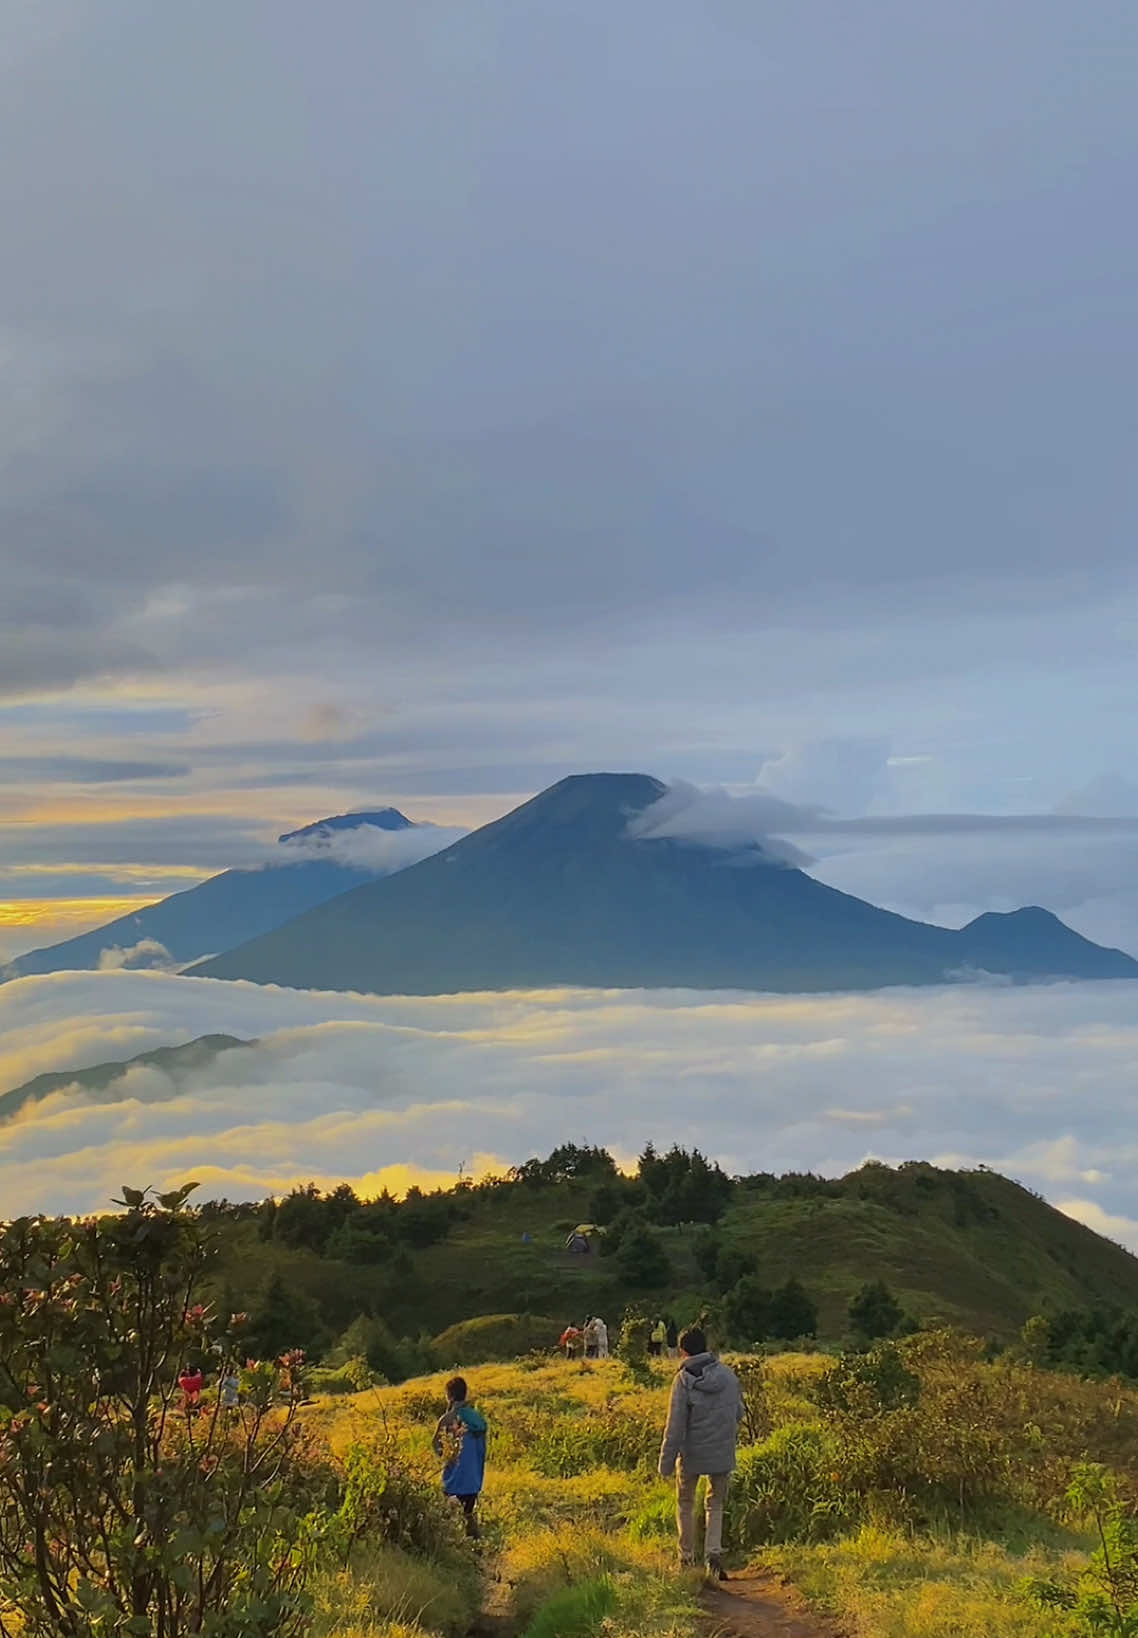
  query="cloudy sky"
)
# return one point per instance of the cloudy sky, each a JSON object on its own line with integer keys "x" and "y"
{"x": 418, "y": 403}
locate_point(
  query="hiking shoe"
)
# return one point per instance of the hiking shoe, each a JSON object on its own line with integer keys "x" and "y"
{"x": 715, "y": 1570}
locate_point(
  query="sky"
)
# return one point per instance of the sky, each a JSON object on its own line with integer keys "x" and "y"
{"x": 418, "y": 403}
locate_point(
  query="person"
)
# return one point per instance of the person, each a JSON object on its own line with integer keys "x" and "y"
{"x": 590, "y": 1338}
{"x": 602, "y": 1331}
{"x": 229, "y": 1390}
{"x": 671, "y": 1336}
{"x": 704, "y": 1413}
{"x": 460, "y": 1438}
{"x": 656, "y": 1339}
{"x": 569, "y": 1340}
{"x": 191, "y": 1382}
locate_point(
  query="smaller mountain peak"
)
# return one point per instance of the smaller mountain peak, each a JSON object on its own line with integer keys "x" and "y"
{"x": 377, "y": 819}
{"x": 1026, "y": 917}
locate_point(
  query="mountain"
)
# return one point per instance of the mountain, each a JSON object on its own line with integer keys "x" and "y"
{"x": 324, "y": 829}
{"x": 97, "y": 1079}
{"x": 229, "y": 908}
{"x": 559, "y": 893}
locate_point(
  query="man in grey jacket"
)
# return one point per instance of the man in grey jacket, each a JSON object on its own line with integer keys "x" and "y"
{"x": 703, "y": 1426}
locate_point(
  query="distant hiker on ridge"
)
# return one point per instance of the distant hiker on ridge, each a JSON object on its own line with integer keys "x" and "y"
{"x": 704, "y": 1413}
{"x": 460, "y": 1439}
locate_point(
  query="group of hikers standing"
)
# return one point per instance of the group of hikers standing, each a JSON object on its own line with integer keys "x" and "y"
{"x": 705, "y": 1409}
{"x": 588, "y": 1341}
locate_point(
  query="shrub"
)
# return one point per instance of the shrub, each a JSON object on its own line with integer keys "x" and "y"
{"x": 575, "y": 1612}
{"x": 383, "y": 1498}
{"x": 122, "y": 1508}
{"x": 568, "y": 1445}
{"x": 353, "y": 1376}
{"x": 786, "y": 1489}
{"x": 493, "y": 1337}
{"x": 874, "y": 1311}
{"x": 1103, "y": 1598}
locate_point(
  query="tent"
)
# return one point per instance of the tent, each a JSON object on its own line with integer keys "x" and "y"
{"x": 580, "y": 1240}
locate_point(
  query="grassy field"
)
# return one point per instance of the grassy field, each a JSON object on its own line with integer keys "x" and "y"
{"x": 934, "y": 1527}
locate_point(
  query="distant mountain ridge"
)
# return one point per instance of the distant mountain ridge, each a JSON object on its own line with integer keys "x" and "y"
{"x": 97, "y": 1079}
{"x": 227, "y": 909}
{"x": 558, "y": 893}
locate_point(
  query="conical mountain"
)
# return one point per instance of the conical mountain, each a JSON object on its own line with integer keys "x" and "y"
{"x": 558, "y": 893}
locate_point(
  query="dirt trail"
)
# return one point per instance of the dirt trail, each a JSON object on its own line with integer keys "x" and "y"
{"x": 756, "y": 1604}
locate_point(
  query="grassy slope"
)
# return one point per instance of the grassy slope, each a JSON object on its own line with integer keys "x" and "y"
{"x": 972, "y": 1248}
{"x": 545, "y": 1534}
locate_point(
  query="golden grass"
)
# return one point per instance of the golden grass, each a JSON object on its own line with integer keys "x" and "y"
{"x": 892, "y": 1585}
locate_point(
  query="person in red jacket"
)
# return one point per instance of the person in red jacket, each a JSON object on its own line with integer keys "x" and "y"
{"x": 191, "y": 1382}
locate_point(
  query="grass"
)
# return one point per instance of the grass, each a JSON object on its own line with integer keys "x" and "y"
{"x": 592, "y": 1553}
{"x": 893, "y": 1585}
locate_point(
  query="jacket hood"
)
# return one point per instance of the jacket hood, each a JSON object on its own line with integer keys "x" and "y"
{"x": 705, "y": 1374}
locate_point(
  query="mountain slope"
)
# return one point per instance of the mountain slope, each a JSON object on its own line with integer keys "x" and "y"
{"x": 557, "y": 893}
{"x": 970, "y": 1248}
{"x": 226, "y": 909}
{"x": 97, "y": 1079}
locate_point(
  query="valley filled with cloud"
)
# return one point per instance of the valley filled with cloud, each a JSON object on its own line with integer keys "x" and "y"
{"x": 1036, "y": 1081}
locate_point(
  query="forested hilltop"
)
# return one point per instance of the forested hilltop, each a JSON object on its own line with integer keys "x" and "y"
{"x": 763, "y": 1258}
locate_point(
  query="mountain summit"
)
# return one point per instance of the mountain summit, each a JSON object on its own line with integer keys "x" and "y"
{"x": 558, "y": 892}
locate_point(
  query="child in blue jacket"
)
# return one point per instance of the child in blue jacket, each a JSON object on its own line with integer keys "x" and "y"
{"x": 460, "y": 1438}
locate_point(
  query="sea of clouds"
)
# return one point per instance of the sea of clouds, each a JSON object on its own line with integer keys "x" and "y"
{"x": 1035, "y": 1081}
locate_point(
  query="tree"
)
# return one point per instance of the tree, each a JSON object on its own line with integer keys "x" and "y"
{"x": 746, "y": 1309}
{"x": 642, "y": 1260}
{"x": 124, "y": 1509}
{"x": 285, "y": 1318}
{"x": 793, "y": 1313}
{"x": 874, "y": 1311}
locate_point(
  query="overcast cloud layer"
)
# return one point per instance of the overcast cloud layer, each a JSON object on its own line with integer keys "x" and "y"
{"x": 1037, "y": 1082}
{"x": 421, "y": 402}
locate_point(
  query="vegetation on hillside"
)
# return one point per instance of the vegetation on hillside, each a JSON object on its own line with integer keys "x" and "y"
{"x": 770, "y": 1259}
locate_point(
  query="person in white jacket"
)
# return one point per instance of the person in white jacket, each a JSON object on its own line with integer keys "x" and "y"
{"x": 602, "y": 1331}
{"x": 704, "y": 1413}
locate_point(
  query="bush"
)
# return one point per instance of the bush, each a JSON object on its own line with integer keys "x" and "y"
{"x": 146, "y": 1513}
{"x": 786, "y": 1489}
{"x": 568, "y": 1445}
{"x": 384, "y": 1498}
{"x": 355, "y": 1375}
{"x": 874, "y": 1311}
{"x": 575, "y": 1612}
{"x": 494, "y": 1337}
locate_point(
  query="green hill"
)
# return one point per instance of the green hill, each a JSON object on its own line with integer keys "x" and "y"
{"x": 971, "y": 1248}
{"x": 98, "y": 1079}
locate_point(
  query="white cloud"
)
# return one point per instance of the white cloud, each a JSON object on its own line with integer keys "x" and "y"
{"x": 369, "y": 847}
{"x": 1036, "y": 1082}
{"x": 719, "y": 818}
{"x": 1111, "y": 1224}
{"x": 147, "y": 953}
